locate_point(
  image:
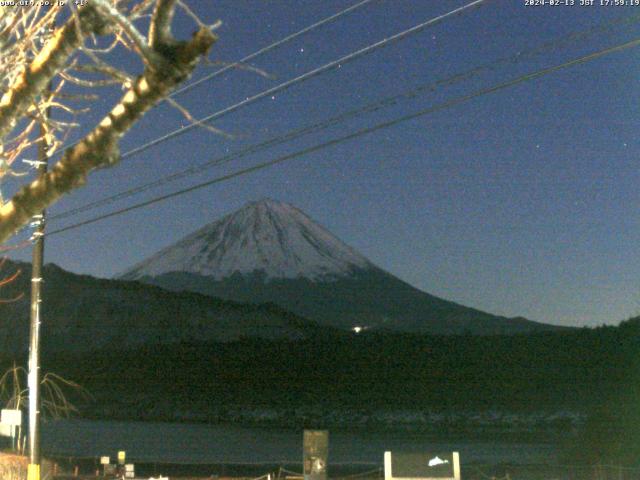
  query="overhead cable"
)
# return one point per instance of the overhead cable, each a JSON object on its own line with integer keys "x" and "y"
{"x": 304, "y": 77}
{"x": 254, "y": 55}
{"x": 356, "y": 134}
{"x": 366, "y": 109}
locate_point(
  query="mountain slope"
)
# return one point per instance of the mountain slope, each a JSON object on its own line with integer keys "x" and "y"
{"x": 270, "y": 251}
{"x": 84, "y": 313}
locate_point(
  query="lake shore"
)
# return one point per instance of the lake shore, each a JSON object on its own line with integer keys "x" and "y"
{"x": 193, "y": 443}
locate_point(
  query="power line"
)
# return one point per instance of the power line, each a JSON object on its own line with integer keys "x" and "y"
{"x": 285, "y": 85}
{"x": 255, "y": 54}
{"x": 270, "y": 47}
{"x": 304, "y": 77}
{"x": 358, "y": 133}
{"x": 369, "y": 108}
{"x": 310, "y": 74}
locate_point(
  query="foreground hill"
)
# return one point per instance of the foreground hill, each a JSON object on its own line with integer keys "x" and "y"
{"x": 270, "y": 251}
{"x": 83, "y": 313}
{"x": 352, "y": 380}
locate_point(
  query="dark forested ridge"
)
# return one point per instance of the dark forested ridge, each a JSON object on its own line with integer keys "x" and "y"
{"x": 339, "y": 380}
{"x": 83, "y": 313}
{"x": 561, "y": 370}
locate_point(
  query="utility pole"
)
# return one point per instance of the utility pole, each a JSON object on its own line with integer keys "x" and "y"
{"x": 33, "y": 470}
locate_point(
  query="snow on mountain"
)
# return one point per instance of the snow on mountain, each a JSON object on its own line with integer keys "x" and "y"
{"x": 267, "y": 236}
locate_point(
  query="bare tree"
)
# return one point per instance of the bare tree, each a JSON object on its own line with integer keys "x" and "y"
{"x": 43, "y": 67}
{"x": 7, "y": 280}
{"x": 56, "y": 401}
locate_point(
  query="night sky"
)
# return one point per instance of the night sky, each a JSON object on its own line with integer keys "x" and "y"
{"x": 521, "y": 202}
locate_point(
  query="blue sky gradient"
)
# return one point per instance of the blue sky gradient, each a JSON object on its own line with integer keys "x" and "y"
{"x": 521, "y": 202}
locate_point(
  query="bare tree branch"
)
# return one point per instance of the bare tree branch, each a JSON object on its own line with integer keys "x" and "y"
{"x": 160, "y": 28}
{"x": 113, "y": 15}
{"x": 100, "y": 147}
{"x": 32, "y": 56}
{"x": 48, "y": 63}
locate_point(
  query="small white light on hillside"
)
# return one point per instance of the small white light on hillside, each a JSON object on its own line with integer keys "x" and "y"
{"x": 357, "y": 329}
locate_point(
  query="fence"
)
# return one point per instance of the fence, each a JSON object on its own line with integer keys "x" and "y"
{"x": 13, "y": 467}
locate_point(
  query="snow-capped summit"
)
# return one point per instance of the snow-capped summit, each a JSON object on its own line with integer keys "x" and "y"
{"x": 268, "y": 237}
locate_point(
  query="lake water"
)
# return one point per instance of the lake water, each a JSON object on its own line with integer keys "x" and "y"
{"x": 199, "y": 444}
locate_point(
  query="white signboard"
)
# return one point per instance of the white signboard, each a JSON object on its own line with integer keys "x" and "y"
{"x": 6, "y": 430}
{"x": 421, "y": 466}
{"x": 11, "y": 417}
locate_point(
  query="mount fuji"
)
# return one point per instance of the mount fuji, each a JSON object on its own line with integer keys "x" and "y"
{"x": 271, "y": 238}
{"x": 272, "y": 252}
